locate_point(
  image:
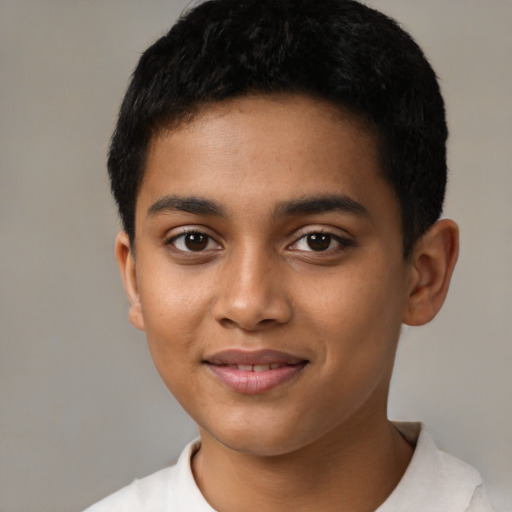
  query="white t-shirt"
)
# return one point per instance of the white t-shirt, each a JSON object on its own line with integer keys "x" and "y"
{"x": 433, "y": 482}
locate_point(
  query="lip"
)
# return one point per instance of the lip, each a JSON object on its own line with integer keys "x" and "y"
{"x": 254, "y": 372}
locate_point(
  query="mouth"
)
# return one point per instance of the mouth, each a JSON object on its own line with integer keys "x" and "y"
{"x": 254, "y": 372}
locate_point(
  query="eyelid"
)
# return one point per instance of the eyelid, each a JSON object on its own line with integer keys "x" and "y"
{"x": 343, "y": 238}
{"x": 185, "y": 230}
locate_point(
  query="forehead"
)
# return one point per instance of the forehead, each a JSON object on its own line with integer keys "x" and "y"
{"x": 262, "y": 149}
{"x": 303, "y": 118}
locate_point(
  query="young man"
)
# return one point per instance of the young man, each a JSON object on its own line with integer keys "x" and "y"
{"x": 279, "y": 167}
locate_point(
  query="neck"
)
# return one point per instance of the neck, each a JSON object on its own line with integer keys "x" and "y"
{"x": 353, "y": 468}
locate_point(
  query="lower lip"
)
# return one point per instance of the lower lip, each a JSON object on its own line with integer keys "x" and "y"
{"x": 252, "y": 383}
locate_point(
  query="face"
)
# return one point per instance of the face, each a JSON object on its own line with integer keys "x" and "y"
{"x": 268, "y": 272}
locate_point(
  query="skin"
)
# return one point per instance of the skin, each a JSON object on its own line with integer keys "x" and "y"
{"x": 321, "y": 440}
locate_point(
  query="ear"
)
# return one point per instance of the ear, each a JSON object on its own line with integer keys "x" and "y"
{"x": 432, "y": 264}
{"x": 126, "y": 261}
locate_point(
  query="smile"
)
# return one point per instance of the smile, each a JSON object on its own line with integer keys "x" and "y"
{"x": 254, "y": 372}
{"x": 257, "y": 367}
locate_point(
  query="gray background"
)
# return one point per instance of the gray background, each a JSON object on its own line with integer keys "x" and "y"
{"x": 82, "y": 412}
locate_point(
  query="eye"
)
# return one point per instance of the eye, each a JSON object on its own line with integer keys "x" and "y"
{"x": 321, "y": 242}
{"x": 193, "y": 241}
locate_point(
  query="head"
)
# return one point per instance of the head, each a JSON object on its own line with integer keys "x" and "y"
{"x": 336, "y": 50}
{"x": 274, "y": 161}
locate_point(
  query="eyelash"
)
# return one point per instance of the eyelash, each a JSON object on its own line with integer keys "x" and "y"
{"x": 342, "y": 242}
{"x": 181, "y": 236}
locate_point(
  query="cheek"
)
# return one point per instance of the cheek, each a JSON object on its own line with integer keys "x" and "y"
{"x": 174, "y": 307}
{"x": 172, "y": 296}
{"x": 357, "y": 310}
{"x": 357, "y": 324}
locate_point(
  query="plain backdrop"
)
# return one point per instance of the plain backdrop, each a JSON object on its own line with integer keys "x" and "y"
{"x": 82, "y": 411}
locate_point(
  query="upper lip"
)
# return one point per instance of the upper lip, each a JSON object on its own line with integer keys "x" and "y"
{"x": 256, "y": 357}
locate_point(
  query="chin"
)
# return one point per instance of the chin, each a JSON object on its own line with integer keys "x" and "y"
{"x": 258, "y": 446}
{"x": 262, "y": 440}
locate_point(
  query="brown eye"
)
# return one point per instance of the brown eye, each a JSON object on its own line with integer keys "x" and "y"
{"x": 322, "y": 242}
{"x": 193, "y": 241}
{"x": 319, "y": 241}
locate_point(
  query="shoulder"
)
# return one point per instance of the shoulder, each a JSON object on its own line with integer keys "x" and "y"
{"x": 480, "y": 501}
{"x": 435, "y": 480}
{"x": 148, "y": 493}
{"x": 168, "y": 490}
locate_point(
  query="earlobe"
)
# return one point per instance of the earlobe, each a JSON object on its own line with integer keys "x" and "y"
{"x": 432, "y": 267}
{"x": 126, "y": 261}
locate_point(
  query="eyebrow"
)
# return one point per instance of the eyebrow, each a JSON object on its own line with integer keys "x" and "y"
{"x": 302, "y": 206}
{"x": 195, "y": 205}
{"x": 322, "y": 204}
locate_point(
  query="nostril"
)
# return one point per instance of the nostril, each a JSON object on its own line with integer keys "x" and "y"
{"x": 250, "y": 309}
{"x": 229, "y": 323}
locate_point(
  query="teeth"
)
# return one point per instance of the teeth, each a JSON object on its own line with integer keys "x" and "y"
{"x": 261, "y": 367}
{"x": 257, "y": 367}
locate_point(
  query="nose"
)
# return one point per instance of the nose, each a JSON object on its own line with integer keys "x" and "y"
{"x": 252, "y": 293}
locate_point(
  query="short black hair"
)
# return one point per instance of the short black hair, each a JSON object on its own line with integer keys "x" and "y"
{"x": 338, "y": 50}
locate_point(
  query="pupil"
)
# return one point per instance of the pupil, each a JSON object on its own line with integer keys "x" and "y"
{"x": 319, "y": 242}
{"x": 196, "y": 241}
